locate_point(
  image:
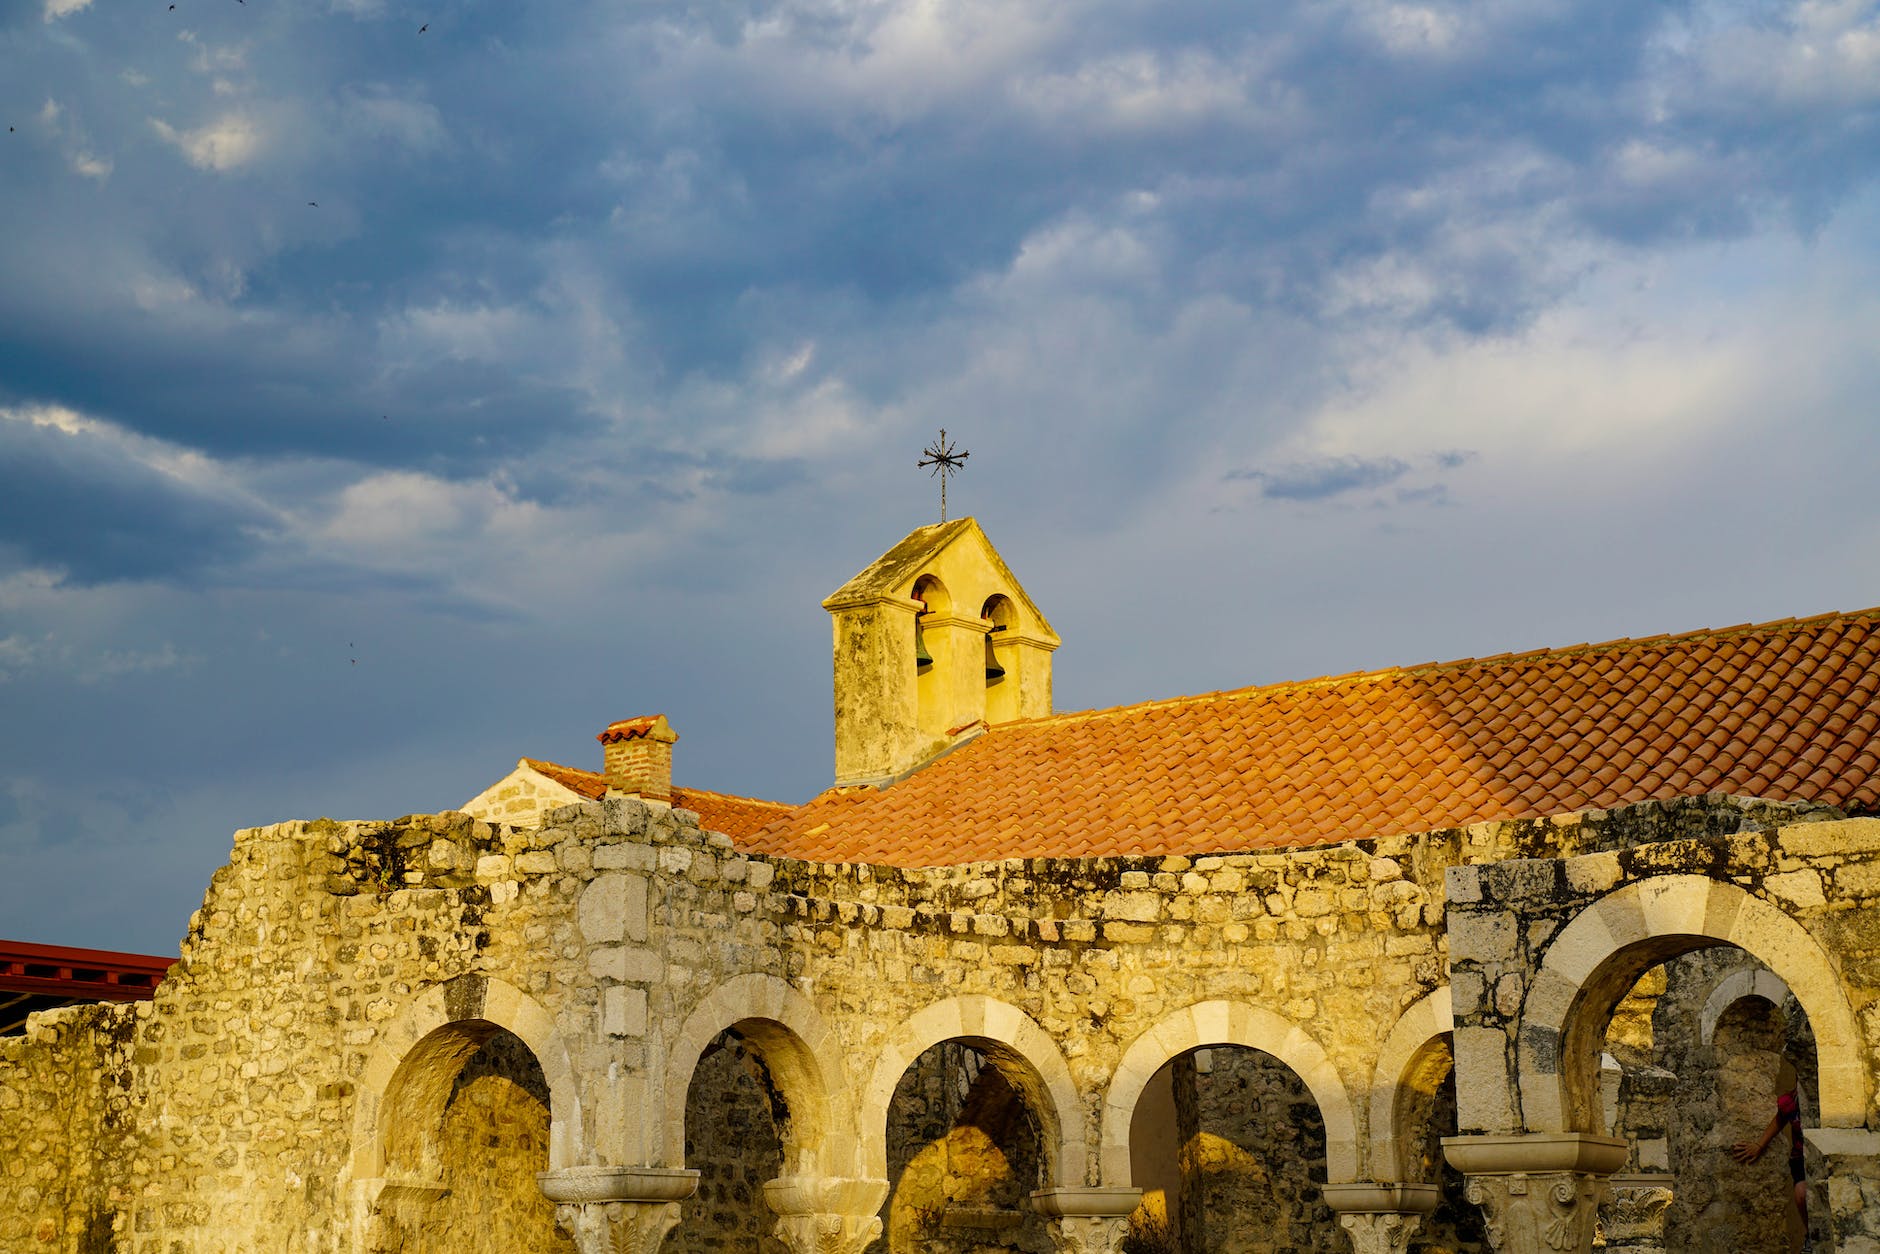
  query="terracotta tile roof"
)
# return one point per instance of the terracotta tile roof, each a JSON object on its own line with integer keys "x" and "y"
{"x": 737, "y": 817}
{"x": 589, "y": 784}
{"x": 654, "y": 725}
{"x": 1784, "y": 711}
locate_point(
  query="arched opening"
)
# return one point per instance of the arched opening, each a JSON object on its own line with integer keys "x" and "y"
{"x": 737, "y": 1122}
{"x": 1695, "y": 1047}
{"x": 965, "y": 1150}
{"x": 1002, "y": 686}
{"x": 465, "y": 1129}
{"x": 1425, "y": 1113}
{"x": 1229, "y": 1149}
{"x": 930, "y": 668}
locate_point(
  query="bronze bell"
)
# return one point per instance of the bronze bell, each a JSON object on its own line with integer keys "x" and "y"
{"x": 993, "y": 670}
{"x": 921, "y": 656}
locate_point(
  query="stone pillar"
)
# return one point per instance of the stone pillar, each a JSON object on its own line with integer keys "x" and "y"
{"x": 1632, "y": 1220}
{"x": 826, "y": 1214}
{"x": 1381, "y": 1218}
{"x": 617, "y": 1210}
{"x": 1539, "y": 1191}
{"x": 1086, "y": 1220}
{"x": 1851, "y": 1158}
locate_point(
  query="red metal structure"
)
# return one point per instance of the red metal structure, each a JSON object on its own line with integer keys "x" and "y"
{"x": 39, "y": 977}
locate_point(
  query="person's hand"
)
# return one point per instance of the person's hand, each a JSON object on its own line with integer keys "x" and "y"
{"x": 1744, "y": 1152}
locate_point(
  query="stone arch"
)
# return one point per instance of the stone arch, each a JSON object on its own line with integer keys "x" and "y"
{"x": 1732, "y": 988}
{"x": 1228, "y": 1023}
{"x": 1412, "y": 1054}
{"x": 799, "y": 1050}
{"x": 418, "y": 1055}
{"x": 1597, "y": 956}
{"x": 1024, "y": 1054}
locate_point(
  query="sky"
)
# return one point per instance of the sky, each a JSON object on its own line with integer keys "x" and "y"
{"x": 392, "y": 390}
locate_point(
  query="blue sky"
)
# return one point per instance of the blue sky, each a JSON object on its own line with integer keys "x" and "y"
{"x": 378, "y": 406}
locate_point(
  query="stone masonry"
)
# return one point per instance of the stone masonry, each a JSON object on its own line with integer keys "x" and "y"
{"x": 374, "y": 1024}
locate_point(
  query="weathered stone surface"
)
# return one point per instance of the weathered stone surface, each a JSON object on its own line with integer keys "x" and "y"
{"x": 319, "y": 1013}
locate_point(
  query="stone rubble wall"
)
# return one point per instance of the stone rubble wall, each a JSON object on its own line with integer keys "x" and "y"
{"x": 239, "y": 1092}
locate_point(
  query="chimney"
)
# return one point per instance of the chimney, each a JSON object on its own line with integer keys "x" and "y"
{"x": 638, "y": 758}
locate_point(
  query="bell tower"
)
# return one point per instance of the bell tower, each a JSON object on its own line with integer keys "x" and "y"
{"x": 933, "y": 642}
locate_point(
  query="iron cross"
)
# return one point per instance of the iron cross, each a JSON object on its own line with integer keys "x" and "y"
{"x": 945, "y": 461}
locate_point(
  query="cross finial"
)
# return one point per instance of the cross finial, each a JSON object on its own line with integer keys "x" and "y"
{"x": 945, "y": 461}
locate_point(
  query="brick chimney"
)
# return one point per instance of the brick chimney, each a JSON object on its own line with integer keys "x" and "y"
{"x": 638, "y": 758}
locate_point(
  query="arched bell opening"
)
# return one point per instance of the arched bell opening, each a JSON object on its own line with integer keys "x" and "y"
{"x": 466, "y": 1129}
{"x": 1001, "y": 658}
{"x": 965, "y": 1152}
{"x": 929, "y": 667}
{"x": 737, "y": 1124}
{"x": 1229, "y": 1149}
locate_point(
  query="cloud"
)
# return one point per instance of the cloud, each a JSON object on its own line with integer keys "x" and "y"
{"x": 169, "y": 511}
{"x": 225, "y": 144}
{"x": 56, "y": 9}
{"x": 1325, "y": 477}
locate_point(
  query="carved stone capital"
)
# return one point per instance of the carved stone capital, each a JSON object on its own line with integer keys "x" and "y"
{"x": 1380, "y": 1231}
{"x": 1633, "y": 1215}
{"x": 617, "y": 1227}
{"x": 1542, "y": 1213}
{"x": 1087, "y": 1220}
{"x": 1539, "y": 1191}
{"x": 1088, "y": 1234}
{"x": 825, "y": 1232}
{"x": 826, "y": 1214}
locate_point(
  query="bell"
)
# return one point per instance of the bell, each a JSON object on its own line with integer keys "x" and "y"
{"x": 993, "y": 670}
{"x": 921, "y": 656}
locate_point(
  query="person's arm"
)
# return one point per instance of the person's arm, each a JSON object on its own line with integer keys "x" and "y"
{"x": 1744, "y": 1152}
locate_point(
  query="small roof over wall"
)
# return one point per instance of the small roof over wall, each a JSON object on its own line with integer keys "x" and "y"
{"x": 40, "y": 977}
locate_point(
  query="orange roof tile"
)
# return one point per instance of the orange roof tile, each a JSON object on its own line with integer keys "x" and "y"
{"x": 1784, "y": 711}
{"x": 737, "y": 817}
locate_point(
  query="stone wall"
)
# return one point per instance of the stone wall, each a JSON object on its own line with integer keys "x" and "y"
{"x": 66, "y": 1115}
{"x": 731, "y": 1136}
{"x": 269, "y": 1093}
{"x": 494, "y": 1140}
{"x": 1252, "y": 1157}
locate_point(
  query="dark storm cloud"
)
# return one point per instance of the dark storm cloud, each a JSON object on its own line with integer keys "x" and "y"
{"x": 80, "y": 503}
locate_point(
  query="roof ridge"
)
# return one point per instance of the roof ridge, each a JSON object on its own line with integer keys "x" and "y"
{"x": 735, "y": 796}
{"x": 1427, "y": 668}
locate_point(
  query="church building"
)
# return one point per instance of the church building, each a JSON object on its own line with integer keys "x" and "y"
{"x": 1501, "y": 954}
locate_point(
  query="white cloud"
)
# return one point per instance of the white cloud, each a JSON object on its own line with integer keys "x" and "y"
{"x": 228, "y": 143}
{"x": 56, "y": 9}
{"x": 90, "y": 166}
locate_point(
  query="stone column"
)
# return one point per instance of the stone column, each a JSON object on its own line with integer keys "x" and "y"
{"x": 1087, "y": 1220}
{"x": 826, "y": 1214}
{"x": 617, "y": 1210}
{"x": 1539, "y": 1191}
{"x": 1381, "y": 1218}
{"x": 1632, "y": 1220}
{"x": 1851, "y": 1157}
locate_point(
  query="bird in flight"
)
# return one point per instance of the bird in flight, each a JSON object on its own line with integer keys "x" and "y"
{"x": 314, "y": 203}
{"x": 423, "y": 28}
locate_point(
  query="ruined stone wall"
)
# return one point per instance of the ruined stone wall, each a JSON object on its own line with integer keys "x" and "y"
{"x": 250, "y": 1076}
{"x": 1253, "y": 1154}
{"x": 963, "y": 1158}
{"x": 65, "y": 1115}
{"x": 494, "y": 1139}
{"x": 732, "y": 1138}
